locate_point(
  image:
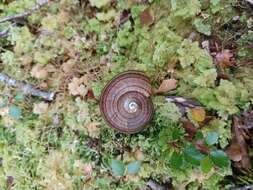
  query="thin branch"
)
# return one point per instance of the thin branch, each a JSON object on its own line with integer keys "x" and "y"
{"x": 26, "y": 88}
{"x": 246, "y": 187}
{"x": 154, "y": 185}
{"x": 39, "y": 4}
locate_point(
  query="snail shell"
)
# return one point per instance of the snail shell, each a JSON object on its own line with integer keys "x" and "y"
{"x": 125, "y": 102}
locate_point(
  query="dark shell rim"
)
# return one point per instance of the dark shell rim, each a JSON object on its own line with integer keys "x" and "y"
{"x": 137, "y": 129}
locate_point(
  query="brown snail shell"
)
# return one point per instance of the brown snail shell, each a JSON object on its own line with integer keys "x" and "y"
{"x": 125, "y": 102}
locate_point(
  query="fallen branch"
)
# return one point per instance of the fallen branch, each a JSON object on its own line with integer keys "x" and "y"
{"x": 246, "y": 187}
{"x": 154, "y": 185}
{"x": 26, "y": 89}
{"x": 39, "y": 4}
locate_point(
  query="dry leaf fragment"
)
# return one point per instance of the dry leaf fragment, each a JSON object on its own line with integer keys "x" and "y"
{"x": 40, "y": 108}
{"x": 167, "y": 85}
{"x": 234, "y": 152}
{"x": 147, "y": 17}
{"x": 138, "y": 154}
{"x": 39, "y": 72}
{"x": 225, "y": 59}
{"x": 78, "y": 86}
{"x": 68, "y": 66}
{"x": 238, "y": 150}
{"x": 198, "y": 114}
{"x": 93, "y": 129}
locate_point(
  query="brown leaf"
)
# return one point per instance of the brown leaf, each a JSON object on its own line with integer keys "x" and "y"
{"x": 78, "y": 86}
{"x": 234, "y": 152}
{"x": 189, "y": 128}
{"x": 39, "y": 72}
{"x": 224, "y": 59}
{"x": 167, "y": 85}
{"x": 93, "y": 129}
{"x": 147, "y": 17}
{"x": 238, "y": 144}
{"x": 40, "y": 108}
{"x": 198, "y": 114}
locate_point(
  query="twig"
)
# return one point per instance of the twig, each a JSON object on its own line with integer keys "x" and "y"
{"x": 26, "y": 89}
{"x": 39, "y": 4}
{"x": 154, "y": 185}
{"x": 5, "y": 32}
{"x": 246, "y": 187}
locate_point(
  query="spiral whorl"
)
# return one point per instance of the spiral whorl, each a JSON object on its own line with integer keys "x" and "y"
{"x": 125, "y": 102}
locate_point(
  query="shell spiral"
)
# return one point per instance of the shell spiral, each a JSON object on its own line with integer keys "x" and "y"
{"x": 125, "y": 102}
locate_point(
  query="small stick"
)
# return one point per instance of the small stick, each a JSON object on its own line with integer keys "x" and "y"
{"x": 26, "y": 89}
{"x": 39, "y": 4}
{"x": 154, "y": 185}
{"x": 246, "y": 187}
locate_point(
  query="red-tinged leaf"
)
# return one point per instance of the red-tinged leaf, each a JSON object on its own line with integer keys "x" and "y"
{"x": 200, "y": 145}
{"x": 167, "y": 85}
{"x": 225, "y": 59}
{"x": 10, "y": 182}
{"x": 238, "y": 139}
{"x": 90, "y": 94}
{"x": 234, "y": 152}
{"x": 189, "y": 128}
{"x": 147, "y": 17}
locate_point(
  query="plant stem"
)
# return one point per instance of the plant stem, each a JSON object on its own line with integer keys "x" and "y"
{"x": 26, "y": 89}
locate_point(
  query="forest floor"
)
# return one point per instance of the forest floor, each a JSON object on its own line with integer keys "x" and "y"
{"x": 200, "y": 50}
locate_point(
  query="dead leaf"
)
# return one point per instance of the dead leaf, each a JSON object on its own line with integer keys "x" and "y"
{"x": 234, "y": 152}
{"x": 189, "y": 128}
{"x": 93, "y": 129}
{"x": 167, "y": 85}
{"x": 198, "y": 114}
{"x": 238, "y": 150}
{"x": 68, "y": 66}
{"x": 39, "y": 72}
{"x": 224, "y": 59}
{"x": 85, "y": 168}
{"x": 78, "y": 86}
{"x": 147, "y": 17}
{"x": 138, "y": 154}
{"x": 40, "y": 108}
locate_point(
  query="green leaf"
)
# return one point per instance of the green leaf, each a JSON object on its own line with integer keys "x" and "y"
{"x": 202, "y": 27}
{"x": 212, "y": 138}
{"x": 14, "y": 112}
{"x": 219, "y": 158}
{"x": 118, "y": 168}
{"x": 99, "y": 3}
{"x": 19, "y": 97}
{"x": 206, "y": 164}
{"x": 176, "y": 160}
{"x": 133, "y": 167}
{"x": 192, "y": 155}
